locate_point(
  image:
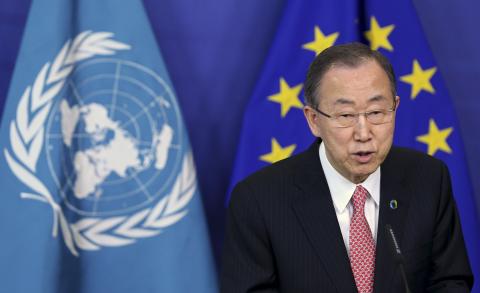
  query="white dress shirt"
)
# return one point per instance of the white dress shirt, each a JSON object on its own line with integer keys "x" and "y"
{"x": 342, "y": 190}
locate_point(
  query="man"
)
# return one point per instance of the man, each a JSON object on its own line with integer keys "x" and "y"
{"x": 317, "y": 222}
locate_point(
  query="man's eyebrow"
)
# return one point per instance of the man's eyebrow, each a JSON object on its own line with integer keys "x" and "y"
{"x": 344, "y": 101}
{"x": 377, "y": 98}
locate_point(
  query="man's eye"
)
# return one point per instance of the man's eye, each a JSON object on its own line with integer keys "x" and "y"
{"x": 375, "y": 113}
{"x": 346, "y": 115}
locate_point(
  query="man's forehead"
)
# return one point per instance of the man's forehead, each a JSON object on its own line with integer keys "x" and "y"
{"x": 361, "y": 62}
{"x": 337, "y": 73}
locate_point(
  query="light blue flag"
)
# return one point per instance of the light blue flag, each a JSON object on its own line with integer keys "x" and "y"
{"x": 99, "y": 190}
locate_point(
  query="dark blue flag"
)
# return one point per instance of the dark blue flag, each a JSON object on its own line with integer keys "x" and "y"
{"x": 274, "y": 126}
{"x": 99, "y": 190}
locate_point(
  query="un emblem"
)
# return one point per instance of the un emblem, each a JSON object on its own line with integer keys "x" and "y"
{"x": 109, "y": 133}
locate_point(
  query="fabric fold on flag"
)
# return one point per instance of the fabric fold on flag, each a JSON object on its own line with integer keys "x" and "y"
{"x": 99, "y": 185}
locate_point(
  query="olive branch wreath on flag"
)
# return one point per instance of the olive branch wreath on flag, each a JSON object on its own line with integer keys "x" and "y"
{"x": 26, "y": 140}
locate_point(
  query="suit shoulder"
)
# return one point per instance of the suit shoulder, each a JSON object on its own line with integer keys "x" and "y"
{"x": 408, "y": 154}
{"x": 277, "y": 172}
{"x": 273, "y": 183}
{"x": 411, "y": 157}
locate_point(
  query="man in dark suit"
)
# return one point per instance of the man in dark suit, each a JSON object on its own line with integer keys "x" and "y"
{"x": 316, "y": 222}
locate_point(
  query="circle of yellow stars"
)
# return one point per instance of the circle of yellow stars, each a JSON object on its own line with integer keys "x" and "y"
{"x": 378, "y": 36}
{"x": 288, "y": 96}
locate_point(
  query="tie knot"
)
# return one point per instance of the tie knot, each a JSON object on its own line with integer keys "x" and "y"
{"x": 359, "y": 198}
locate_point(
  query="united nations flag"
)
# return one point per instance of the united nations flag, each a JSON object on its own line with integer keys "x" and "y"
{"x": 99, "y": 186}
{"x": 274, "y": 127}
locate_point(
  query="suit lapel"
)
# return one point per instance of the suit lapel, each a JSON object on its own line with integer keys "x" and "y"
{"x": 316, "y": 214}
{"x": 392, "y": 188}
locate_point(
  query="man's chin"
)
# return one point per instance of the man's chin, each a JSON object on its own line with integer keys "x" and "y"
{"x": 363, "y": 172}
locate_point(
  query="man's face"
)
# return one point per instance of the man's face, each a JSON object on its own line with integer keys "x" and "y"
{"x": 358, "y": 150}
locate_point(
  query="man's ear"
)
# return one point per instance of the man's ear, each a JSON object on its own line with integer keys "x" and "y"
{"x": 312, "y": 118}
{"x": 397, "y": 102}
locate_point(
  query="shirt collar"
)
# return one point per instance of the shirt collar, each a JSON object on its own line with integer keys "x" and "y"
{"x": 344, "y": 188}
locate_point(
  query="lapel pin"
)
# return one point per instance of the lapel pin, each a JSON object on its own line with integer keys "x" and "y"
{"x": 393, "y": 204}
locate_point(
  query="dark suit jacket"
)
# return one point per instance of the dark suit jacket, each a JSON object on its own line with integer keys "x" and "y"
{"x": 283, "y": 234}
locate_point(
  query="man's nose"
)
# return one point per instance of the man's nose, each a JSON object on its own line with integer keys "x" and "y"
{"x": 362, "y": 129}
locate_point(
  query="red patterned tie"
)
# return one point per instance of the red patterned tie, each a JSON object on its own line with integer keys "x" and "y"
{"x": 362, "y": 246}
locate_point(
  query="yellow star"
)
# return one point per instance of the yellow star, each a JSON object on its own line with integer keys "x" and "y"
{"x": 419, "y": 79}
{"x": 436, "y": 139}
{"x": 321, "y": 42}
{"x": 287, "y": 97}
{"x": 378, "y": 36}
{"x": 278, "y": 153}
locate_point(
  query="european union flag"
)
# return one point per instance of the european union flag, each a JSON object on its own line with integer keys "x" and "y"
{"x": 274, "y": 126}
{"x": 99, "y": 190}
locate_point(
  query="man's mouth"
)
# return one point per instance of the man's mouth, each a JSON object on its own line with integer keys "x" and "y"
{"x": 363, "y": 156}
